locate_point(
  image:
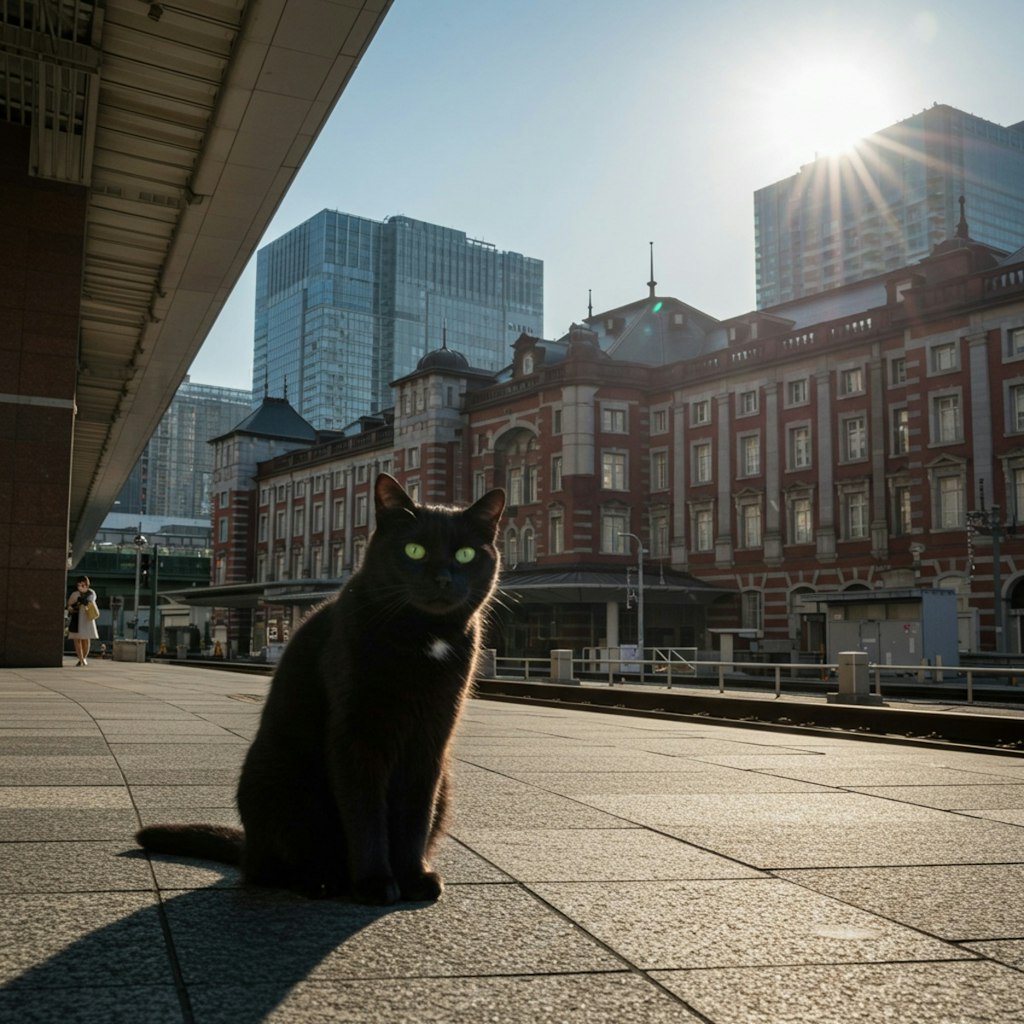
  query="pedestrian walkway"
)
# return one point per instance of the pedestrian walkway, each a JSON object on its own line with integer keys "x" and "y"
{"x": 601, "y": 868}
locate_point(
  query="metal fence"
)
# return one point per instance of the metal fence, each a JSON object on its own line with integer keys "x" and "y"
{"x": 670, "y": 667}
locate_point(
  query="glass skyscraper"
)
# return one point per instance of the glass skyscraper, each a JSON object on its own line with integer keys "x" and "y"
{"x": 888, "y": 202}
{"x": 172, "y": 477}
{"x": 345, "y": 305}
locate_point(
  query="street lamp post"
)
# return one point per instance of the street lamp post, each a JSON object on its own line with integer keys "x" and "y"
{"x": 640, "y": 597}
{"x": 140, "y": 543}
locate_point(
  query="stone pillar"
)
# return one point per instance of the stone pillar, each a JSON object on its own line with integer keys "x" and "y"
{"x": 42, "y": 239}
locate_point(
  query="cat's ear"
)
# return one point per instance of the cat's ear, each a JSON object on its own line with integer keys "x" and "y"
{"x": 390, "y": 496}
{"x": 486, "y": 511}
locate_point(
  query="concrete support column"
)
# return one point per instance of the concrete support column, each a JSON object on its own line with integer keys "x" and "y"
{"x": 611, "y": 623}
{"x": 42, "y": 238}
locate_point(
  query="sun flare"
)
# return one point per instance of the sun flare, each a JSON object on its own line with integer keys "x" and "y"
{"x": 823, "y": 107}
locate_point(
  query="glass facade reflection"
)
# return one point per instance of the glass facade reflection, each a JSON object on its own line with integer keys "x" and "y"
{"x": 345, "y": 305}
{"x": 888, "y": 202}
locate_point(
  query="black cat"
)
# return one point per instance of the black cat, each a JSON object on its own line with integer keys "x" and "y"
{"x": 344, "y": 790}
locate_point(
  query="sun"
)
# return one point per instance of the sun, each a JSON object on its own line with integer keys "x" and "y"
{"x": 822, "y": 107}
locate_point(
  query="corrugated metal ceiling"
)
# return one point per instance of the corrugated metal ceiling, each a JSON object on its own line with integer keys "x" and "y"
{"x": 187, "y": 122}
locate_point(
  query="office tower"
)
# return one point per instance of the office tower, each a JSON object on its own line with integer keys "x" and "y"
{"x": 888, "y": 202}
{"x": 345, "y": 305}
{"x": 172, "y": 476}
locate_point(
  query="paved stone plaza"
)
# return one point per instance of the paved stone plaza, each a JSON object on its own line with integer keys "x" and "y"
{"x": 601, "y": 868}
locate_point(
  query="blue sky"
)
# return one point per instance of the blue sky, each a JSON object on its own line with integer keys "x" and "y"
{"x": 578, "y": 131}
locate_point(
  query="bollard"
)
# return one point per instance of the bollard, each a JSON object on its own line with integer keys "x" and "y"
{"x": 487, "y": 666}
{"x": 561, "y": 668}
{"x": 854, "y": 681}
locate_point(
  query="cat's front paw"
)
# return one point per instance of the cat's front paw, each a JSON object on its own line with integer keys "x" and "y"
{"x": 380, "y": 891}
{"x": 422, "y": 888}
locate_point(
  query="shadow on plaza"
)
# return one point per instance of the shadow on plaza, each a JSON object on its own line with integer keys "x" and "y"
{"x": 238, "y": 951}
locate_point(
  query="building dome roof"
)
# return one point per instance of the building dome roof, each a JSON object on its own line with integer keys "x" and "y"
{"x": 443, "y": 358}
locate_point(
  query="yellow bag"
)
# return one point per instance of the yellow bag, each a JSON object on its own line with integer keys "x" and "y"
{"x": 92, "y": 611}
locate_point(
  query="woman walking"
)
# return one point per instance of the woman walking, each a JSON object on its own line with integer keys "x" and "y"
{"x": 81, "y": 626}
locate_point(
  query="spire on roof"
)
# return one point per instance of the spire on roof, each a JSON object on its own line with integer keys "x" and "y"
{"x": 962, "y": 231}
{"x": 652, "y": 283}
{"x": 590, "y": 303}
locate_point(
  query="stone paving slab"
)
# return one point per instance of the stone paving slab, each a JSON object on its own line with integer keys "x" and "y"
{"x": 924, "y": 993}
{"x": 602, "y": 868}
{"x": 491, "y": 929}
{"x": 702, "y": 779}
{"x": 955, "y": 902}
{"x": 569, "y": 854}
{"x": 874, "y": 844}
{"x": 94, "y": 1004}
{"x": 734, "y": 923}
{"x": 991, "y": 794}
{"x": 60, "y": 940}
{"x": 30, "y": 770}
{"x": 603, "y": 998}
{"x": 91, "y": 867}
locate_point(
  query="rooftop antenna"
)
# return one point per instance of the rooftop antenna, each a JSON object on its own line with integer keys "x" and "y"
{"x": 444, "y": 334}
{"x": 590, "y": 303}
{"x": 286, "y": 387}
{"x": 962, "y": 230}
{"x": 651, "y": 284}
{"x": 266, "y": 382}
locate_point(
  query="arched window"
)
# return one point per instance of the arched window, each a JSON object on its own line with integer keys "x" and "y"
{"x": 529, "y": 545}
{"x": 511, "y": 546}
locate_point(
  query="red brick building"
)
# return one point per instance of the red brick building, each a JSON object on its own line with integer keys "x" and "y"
{"x": 847, "y": 441}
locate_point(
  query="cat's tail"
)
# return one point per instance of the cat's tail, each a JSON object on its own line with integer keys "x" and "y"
{"x": 221, "y": 843}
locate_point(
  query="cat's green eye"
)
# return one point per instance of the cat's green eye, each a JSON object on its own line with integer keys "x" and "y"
{"x": 417, "y": 552}
{"x": 465, "y": 555}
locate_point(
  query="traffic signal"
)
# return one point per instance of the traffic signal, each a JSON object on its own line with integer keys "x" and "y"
{"x": 144, "y": 563}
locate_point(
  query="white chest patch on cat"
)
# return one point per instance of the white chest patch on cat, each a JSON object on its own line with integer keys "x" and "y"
{"x": 439, "y": 650}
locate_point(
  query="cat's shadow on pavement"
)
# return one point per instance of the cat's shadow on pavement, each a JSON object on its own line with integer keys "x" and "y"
{"x": 221, "y": 953}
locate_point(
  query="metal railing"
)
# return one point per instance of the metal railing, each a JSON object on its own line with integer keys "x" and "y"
{"x": 668, "y": 667}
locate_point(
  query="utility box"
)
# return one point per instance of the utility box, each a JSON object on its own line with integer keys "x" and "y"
{"x": 905, "y": 627}
{"x": 561, "y": 668}
{"x": 129, "y": 650}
